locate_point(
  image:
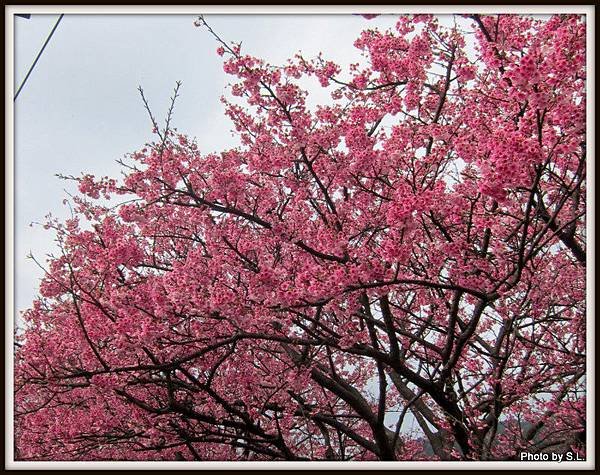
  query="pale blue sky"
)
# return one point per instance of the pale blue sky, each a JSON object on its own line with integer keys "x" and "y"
{"x": 80, "y": 111}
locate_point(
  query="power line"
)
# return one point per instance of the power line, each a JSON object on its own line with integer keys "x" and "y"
{"x": 38, "y": 56}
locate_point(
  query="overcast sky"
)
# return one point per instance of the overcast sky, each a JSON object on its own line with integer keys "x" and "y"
{"x": 80, "y": 111}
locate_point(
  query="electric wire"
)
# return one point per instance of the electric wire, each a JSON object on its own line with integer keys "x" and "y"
{"x": 38, "y": 56}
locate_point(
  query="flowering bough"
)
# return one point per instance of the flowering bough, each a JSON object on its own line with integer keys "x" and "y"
{"x": 398, "y": 274}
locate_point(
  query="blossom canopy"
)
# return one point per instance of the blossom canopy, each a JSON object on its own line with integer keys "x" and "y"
{"x": 396, "y": 274}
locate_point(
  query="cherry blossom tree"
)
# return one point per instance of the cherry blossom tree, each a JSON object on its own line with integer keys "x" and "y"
{"x": 398, "y": 274}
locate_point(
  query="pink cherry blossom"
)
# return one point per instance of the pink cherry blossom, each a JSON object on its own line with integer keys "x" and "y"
{"x": 412, "y": 250}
